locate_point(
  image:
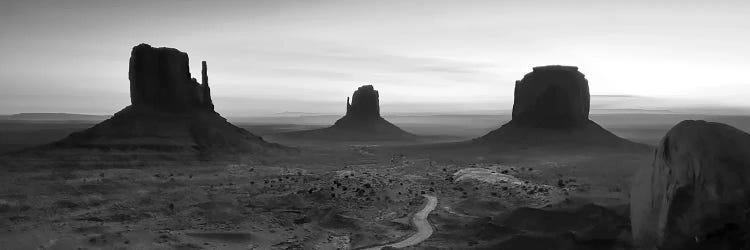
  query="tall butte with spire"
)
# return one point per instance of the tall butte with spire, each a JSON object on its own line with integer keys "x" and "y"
{"x": 362, "y": 121}
{"x": 169, "y": 111}
{"x": 204, "y": 85}
{"x": 160, "y": 79}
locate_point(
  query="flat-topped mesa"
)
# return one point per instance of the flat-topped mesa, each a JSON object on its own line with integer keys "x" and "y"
{"x": 551, "y": 109}
{"x": 365, "y": 103}
{"x": 552, "y": 97}
{"x": 160, "y": 78}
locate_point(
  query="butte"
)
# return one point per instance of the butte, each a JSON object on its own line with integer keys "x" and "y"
{"x": 362, "y": 122}
{"x": 550, "y": 109}
{"x": 169, "y": 112}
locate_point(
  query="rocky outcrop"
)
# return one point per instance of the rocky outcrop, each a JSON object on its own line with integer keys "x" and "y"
{"x": 365, "y": 103}
{"x": 696, "y": 193}
{"x": 205, "y": 90}
{"x": 160, "y": 78}
{"x": 551, "y": 108}
{"x": 361, "y": 122}
{"x": 363, "y": 112}
{"x": 552, "y": 97}
{"x": 169, "y": 111}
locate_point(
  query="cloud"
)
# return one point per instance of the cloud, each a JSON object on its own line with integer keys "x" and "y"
{"x": 330, "y": 61}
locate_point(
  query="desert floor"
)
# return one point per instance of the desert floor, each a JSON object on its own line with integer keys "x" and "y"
{"x": 344, "y": 195}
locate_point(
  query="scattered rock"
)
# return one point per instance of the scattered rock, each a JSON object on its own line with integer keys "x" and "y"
{"x": 66, "y": 204}
{"x": 485, "y": 175}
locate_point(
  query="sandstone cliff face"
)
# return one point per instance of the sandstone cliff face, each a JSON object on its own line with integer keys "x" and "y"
{"x": 361, "y": 122}
{"x": 696, "y": 194}
{"x": 552, "y": 97}
{"x": 550, "y": 109}
{"x": 160, "y": 78}
{"x": 170, "y": 112}
{"x": 365, "y": 103}
{"x": 204, "y": 89}
{"x": 363, "y": 117}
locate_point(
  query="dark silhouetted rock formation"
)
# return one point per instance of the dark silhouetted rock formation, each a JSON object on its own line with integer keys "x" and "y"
{"x": 552, "y": 97}
{"x": 169, "y": 111}
{"x": 205, "y": 90}
{"x": 365, "y": 103}
{"x": 361, "y": 122}
{"x": 696, "y": 193}
{"x": 160, "y": 78}
{"x": 363, "y": 111}
{"x": 551, "y": 108}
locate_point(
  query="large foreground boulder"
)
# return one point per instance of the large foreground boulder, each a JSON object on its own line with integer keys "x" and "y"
{"x": 551, "y": 108}
{"x": 696, "y": 194}
{"x": 361, "y": 122}
{"x": 170, "y": 111}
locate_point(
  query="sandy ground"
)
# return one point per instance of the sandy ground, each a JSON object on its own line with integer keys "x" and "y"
{"x": 332, "y": 196}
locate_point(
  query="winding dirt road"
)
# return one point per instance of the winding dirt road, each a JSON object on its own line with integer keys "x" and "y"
{"x": 424, "y": 229}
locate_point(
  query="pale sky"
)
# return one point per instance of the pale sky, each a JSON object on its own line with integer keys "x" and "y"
{"x": 307, "y": 56}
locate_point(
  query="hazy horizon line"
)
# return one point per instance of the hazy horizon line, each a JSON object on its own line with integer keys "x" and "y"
{"x": 732, "y": 111}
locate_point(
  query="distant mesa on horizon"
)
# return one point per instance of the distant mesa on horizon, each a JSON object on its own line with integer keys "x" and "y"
{"x": 551, "y": 107}
{"x": 362, "y": 122}
{"x": 169, "y": 112}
